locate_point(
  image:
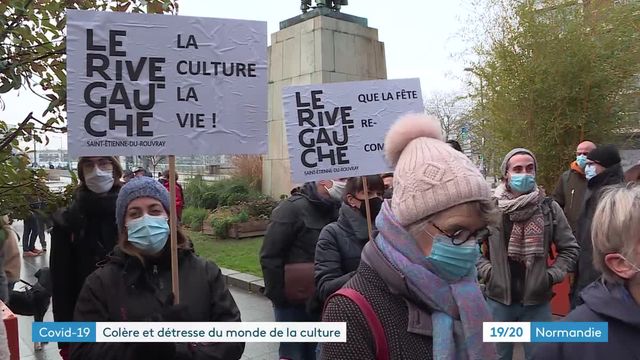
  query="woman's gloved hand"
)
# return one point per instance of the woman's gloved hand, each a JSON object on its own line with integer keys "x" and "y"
{"x": 171, "y": 312}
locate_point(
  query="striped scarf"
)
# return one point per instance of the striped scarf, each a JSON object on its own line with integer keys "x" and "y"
{"x": 461, "y": 301}
{"x": 526, "y": 241}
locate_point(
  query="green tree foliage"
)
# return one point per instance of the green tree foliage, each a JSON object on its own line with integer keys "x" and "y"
{"x": 32, "y": 57}
{"x": 551, "y": 73}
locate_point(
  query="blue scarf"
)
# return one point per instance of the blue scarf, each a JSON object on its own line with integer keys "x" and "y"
{"x": 449, "y": 301}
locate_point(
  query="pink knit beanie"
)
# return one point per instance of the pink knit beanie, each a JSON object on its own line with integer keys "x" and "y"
{"x": 430, "y": 176}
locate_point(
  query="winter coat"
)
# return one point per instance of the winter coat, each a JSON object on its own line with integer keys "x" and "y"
{"x": 569, "y": 194}
{"x": 179, "y": 196}
{"x": 494, "y": 267}
{"x": 81, "y": 237}
{"x": 291, "y": 237}
{"x": 11, "y": 253}
{"x": 602, "y": 303}
{"x": 406, "y": 322}
{"x": 585, "y": 271}
{"x": 125, "y": 290}
{"x": 4, "y": 289}
{"x": 338, "y": 251}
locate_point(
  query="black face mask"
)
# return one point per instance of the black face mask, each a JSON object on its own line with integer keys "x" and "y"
{"x": 388, "y": 193}
{"x": 375, "y": 205}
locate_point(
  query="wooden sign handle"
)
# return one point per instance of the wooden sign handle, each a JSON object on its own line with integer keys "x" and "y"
{"x": 365, "y": 186}
{"x": 173, "y": 223}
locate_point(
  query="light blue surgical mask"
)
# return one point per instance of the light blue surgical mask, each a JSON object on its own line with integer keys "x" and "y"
{"x": 590, "y": 171}
{"x": 522, "y": 183}
{"x": 148, "y": 233}
{"x": 581, "y": 160}
{"x": 453, "y": 261}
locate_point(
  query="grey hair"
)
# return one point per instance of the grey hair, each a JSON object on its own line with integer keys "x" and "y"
{"x": 615, "y": 227}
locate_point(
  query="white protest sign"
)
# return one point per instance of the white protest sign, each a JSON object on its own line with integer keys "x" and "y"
{"x": 144, "y": 84}
{"x": 337, "y": 130}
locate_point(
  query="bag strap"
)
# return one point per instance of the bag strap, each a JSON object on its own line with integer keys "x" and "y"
{"x": 379, "y": 339}
{"x": 548, "y": 202}
{"x": 565, "y": 184}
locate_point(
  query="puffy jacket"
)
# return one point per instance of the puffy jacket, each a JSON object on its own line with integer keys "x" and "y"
{"x": 585, "y": 272}
{"x": 125, "y": 290}
{"x": 82, "y": 236}
{"x": 569, "y": 194}
{"x": 494, "y": 269}
{"x": 338, "y": 251}
{"x": 292, "y": 236}
{"x": 608, "y": 303}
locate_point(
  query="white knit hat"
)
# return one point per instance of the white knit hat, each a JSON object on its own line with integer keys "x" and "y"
{"x": 430, "y": 176}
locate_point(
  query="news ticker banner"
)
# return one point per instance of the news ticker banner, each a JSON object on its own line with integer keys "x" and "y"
{"x": 545, "y": 332}
{"x": 123, "y": 332}
{"x": 291, "y": 332}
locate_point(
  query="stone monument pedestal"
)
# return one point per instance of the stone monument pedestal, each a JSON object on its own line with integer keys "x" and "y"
{"x": 320, "y": 46}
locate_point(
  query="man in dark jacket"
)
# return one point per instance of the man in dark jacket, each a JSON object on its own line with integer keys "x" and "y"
{"x": 614, "y": 299}
{"x": 515, "y": 270}
{"x": 603, "y": 169}
{"x": 288, "y": 252}
{"x": 572, "y": 185}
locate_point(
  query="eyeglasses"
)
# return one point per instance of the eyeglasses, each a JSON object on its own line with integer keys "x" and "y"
{"x": 102, "y": 164}
{"x": 462, "y": 236}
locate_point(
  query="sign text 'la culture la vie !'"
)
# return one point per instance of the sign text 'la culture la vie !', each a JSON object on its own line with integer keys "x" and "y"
{"x": 168, "y": 87}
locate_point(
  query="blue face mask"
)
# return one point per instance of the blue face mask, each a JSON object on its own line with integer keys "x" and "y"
{"x": 454, "y": 262}
{"x": 148, "y": 233}
{"x": 581, "y": 160}
{"x": 522, "y": 183}
{"x": 590, "y": 171}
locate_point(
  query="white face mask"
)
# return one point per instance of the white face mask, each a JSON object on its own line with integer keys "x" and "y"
{"x": 99, "y": 181}
{"x": 337, "y": 189}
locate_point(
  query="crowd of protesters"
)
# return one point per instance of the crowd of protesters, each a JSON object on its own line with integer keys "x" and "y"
{"x": 414, "y": 260}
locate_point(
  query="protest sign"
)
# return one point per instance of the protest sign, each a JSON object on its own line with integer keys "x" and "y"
{"x": 142, "y": 84}
{"x": 337, "y": 130}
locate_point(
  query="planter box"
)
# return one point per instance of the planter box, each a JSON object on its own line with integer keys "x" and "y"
{"x": 248, "y": 229}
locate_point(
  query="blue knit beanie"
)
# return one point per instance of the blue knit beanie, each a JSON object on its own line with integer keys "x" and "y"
{"x": 138, "y": 188}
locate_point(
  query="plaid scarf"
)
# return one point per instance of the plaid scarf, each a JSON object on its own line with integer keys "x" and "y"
{"x": 527, "y": 235}
{"x": 460, "y": 301}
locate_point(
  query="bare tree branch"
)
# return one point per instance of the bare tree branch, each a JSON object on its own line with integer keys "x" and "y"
{"x": 450, "y": 109}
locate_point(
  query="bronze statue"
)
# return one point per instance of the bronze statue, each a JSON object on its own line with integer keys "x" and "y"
{"x": 334, "y": 5}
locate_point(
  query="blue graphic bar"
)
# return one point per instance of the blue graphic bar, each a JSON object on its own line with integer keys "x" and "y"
{"x": 63, "y": 332}
{"x": 580, "y": 332}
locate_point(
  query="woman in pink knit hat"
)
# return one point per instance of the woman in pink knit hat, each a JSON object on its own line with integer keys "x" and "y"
{"x": 415, "y": 293}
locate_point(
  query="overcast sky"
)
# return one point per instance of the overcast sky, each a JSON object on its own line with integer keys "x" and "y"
{"x": 422, "y": 39}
